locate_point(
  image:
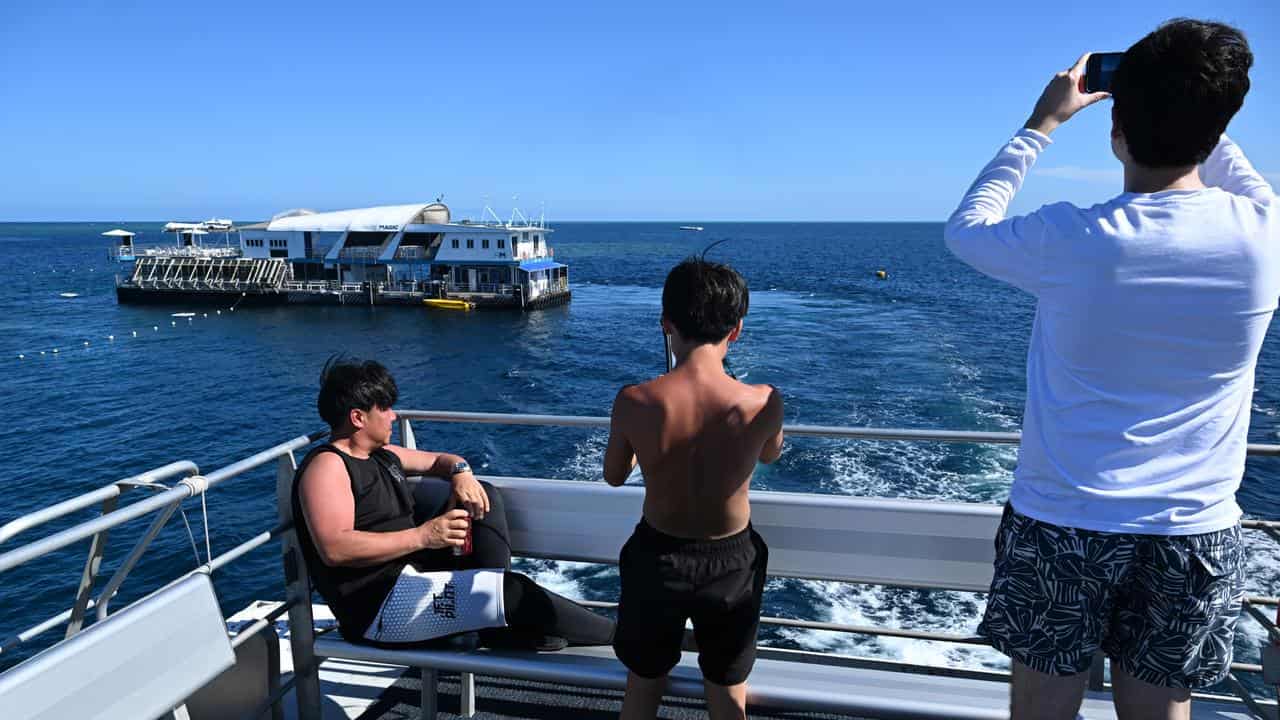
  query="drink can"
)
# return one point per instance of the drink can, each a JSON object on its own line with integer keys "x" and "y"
{"x": 465, "y": 549}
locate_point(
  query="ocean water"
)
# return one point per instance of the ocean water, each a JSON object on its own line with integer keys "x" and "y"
{"x": 936, "y": 345}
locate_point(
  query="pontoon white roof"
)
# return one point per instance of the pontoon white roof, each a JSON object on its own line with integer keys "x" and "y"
{"x": 118, "y": 233}
{"x": 215, "y": 224}
{"x": 388, "y": 218}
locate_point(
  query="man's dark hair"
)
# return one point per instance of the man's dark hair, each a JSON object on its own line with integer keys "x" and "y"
{"x": 704, "y": 300}
{"x": 1177, "y": 88}
{"x": 347, "y": 385}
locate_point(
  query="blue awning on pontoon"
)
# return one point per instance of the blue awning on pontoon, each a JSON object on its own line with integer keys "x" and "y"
{"x": 532, "y": 265}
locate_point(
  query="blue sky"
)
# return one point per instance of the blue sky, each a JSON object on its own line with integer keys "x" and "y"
{"x": 612, "y": 111}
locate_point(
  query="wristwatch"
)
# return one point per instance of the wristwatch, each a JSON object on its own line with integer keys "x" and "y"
{"x": 459, "y": 468}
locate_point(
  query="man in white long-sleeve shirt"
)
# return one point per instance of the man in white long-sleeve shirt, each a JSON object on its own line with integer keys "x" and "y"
{"x": 1122, "y": 530}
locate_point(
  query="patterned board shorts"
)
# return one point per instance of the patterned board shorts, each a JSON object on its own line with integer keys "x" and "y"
{"x": 1163, "y": 608}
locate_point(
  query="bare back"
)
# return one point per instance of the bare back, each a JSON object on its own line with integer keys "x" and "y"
{"x": 697, "y": 434}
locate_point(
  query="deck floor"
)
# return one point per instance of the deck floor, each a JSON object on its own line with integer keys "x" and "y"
{"x": 501, "y": 698}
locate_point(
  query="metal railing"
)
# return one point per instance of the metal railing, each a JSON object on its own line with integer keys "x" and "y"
{"x": 364, "y": 253}
{"x": 479, "y": 288}
{"x": 169, "y": 498}
{"x": 410, "y": 252}
{"x": 162, "y": 505}
{"x": 1268, "y": 528}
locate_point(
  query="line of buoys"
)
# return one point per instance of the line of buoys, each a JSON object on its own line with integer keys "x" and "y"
{"x": 132, "y": 333}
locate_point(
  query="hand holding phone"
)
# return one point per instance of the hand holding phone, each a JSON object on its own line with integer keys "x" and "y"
{"x": 1098, "y": 72}
{"x": 1062, "y": 98}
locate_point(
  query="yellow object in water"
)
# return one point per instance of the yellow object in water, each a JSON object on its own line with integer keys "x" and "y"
{"x": 882, "y": 274}
{"x": 448, "y": 304}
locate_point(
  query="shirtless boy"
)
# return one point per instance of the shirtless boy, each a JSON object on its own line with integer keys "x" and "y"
{"x": 697, "y": 434}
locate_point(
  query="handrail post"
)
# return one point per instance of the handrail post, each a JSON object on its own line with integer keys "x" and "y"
{"x": 406, "y": 434}
{"x": 126, "y": 567}
{"x": 90, "y": 574}
{"x": 1097, "y": 677}
{"x": 306, "y": 670}
{"x": 273, "y": 670}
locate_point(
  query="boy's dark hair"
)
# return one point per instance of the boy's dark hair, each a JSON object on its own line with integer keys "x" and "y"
{"x": 1177, "y": 88}
{"x": 704, "y": 300}
{"x": 347, "y": 384}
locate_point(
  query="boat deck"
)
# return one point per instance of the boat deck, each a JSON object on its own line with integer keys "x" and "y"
{"x": 934, "y": 545}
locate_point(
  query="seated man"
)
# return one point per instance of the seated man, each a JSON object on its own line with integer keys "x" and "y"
{"x": 391, "y": 578}
{"x": 698, "y": 434}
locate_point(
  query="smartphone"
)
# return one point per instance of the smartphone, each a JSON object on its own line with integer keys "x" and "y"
{"x": 1098, "y": 71}
{"x": 666, "y": 350}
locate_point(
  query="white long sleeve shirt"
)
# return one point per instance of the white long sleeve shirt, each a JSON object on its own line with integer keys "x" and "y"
{"x": 1151, "y": 310}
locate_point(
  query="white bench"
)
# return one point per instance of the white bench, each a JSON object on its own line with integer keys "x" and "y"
{"x": 860, "y": 540}
{"x": 142, "y": 662}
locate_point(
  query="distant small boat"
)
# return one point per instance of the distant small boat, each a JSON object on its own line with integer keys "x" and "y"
{"x": 448, "y": 304}
{"x": 183, "y": 315}
{"x": 691, "y": 227}
{"x": 69, "y": 295}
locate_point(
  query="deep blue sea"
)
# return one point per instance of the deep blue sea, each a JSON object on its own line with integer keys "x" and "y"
{"x": 936, "y": 345}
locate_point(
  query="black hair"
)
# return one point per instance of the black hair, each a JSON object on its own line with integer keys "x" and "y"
{"x": 347, "y": 384}
{"x": 1177, "y": 88}
{"x": 704, "y": 300}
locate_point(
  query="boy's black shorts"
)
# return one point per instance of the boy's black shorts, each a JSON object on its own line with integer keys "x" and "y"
{"x": 716, "y": 583}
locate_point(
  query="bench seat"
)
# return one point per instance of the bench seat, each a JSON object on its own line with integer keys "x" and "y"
{"x": 935, "y": 545}
{"x": 774, "y": 683}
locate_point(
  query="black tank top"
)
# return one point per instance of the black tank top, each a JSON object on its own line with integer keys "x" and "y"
{"x": 383, "y": 504}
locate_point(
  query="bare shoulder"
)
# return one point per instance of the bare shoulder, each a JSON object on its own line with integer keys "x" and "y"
{"x": 326, "y": 463}
{"x": 324, "y": 471}
{"x": 638, "y": 395}
{"x": 626, "y": 405}
{"x": 400, "y": 453}
{"x": 762, "y": 399}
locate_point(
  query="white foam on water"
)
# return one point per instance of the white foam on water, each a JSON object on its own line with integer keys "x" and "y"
{"x": 917, "y": 471}
{"x": 934, "y": 471}
{"x": 587, "y": 461}
{"x": 1261, "y": 577}
{"x": 954, "y": 612}
{"x": 558, "y": 576}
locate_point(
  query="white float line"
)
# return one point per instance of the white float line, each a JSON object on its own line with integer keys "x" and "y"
{"x": 112, "y": 338}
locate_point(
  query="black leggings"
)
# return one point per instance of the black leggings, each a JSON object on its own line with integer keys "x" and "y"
{"x": 531, "y": 610}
